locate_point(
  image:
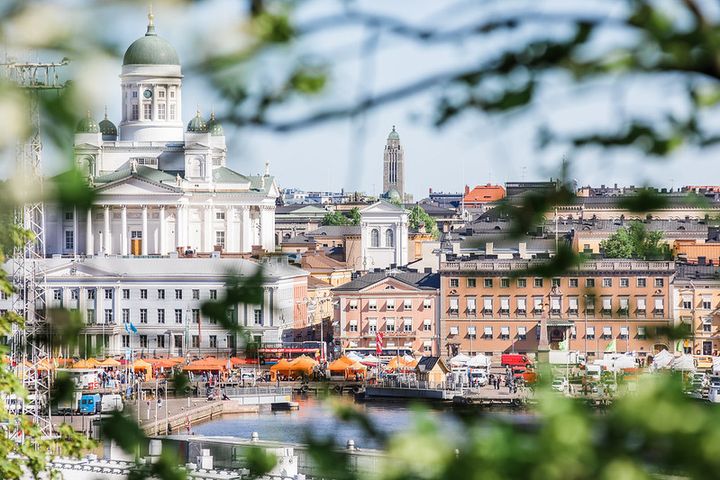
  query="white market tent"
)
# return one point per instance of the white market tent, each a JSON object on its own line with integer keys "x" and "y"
{"x": 459, "y": 360}
{"x": 625, "y": 361}
{"x": 683, "y": 363}
{"x": 663, "y": 359}
{"x": 354, "y": 357}
{"x": 371, "y": 360}
{"x": 479, "y": 361}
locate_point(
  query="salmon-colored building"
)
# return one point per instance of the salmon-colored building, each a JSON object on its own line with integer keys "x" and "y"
{"x": 490, "y": 306}
{"x": 400, "y": 304}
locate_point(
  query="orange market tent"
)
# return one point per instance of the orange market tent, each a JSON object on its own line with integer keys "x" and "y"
{"x": 142, "y": 365}
{"x": 282, "y": 367}
{"x": 92, "y": 362}
{"x": 303, "y": 365}
{"x": 357, "y": 367}
{"x": 340, "y": 366}
{"x": 82, "y": 364}
{"x": 165, "y": 363}
{"x": 109, "y": 362}
{"x": 205, "y": 365}
{"x": 400, "y": 363}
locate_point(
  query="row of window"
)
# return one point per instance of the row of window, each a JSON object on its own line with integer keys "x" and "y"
{"x": 391, "y": 325}
{"x": 178, "y": 341}
{"x": 390, "y": 304}
{"x": 572, "y": 305}
{"x": 126, "y": 294}
{"x": 607, "y": 282}
{"x": 521, "y": 332}
{"x": 705, "y": 303}
{"x": 179, "y": 316}
{"x": 70, "y": 238}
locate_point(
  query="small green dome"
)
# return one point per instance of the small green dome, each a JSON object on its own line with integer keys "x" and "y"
{"x": 197, "y": 124}
{"x": 214, "y": 127}
{"x": 393, "y": 135}
{"x": 151, "y": 50}
{"x": 107, "y": 128}
{"x": 393, "y": 194}
{"x": 87, "y": 125}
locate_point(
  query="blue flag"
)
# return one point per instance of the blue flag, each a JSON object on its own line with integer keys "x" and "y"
{"x": 129, "y": 327}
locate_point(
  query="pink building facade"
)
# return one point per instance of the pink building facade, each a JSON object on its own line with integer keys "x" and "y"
{"x": 402, "y": 305}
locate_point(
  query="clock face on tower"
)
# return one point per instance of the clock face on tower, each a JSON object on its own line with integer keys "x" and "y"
{"x": 147, "y": 93}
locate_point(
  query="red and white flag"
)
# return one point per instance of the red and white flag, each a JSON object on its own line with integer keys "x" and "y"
{"x": 378, "y": 343}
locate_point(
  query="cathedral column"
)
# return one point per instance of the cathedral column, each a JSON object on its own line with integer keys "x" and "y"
{"x": 163, "y": 232}
{"x": 106, "y": 232}
{"x": 229, "y": 241}
{"x": 89, "y": 250}
{"x": 179, "y": 225}
{"x": 207, "y": 242}
{"x": 123, "y": 233}
{"x": 245, "y": 229}
{"x": 76, "y": 231}
{"x": 145, "y": 237}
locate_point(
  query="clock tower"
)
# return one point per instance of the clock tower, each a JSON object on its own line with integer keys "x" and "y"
{"x": 151, "y": 83}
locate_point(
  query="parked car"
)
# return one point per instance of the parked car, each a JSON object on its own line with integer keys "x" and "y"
{"x": 561, "y": 384}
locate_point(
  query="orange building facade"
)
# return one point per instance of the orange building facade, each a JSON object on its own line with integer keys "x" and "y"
{"x": 482, "y": 194}
{"x": 492, "y": 307}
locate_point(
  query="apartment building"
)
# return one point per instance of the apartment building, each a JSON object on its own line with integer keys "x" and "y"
{"x": 494, "y": 306}
{"x": 696, "y": 299}
{"x": 400, "y": 304}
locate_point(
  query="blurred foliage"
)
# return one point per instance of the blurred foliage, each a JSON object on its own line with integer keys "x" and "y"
{"x": 339, "y": 218}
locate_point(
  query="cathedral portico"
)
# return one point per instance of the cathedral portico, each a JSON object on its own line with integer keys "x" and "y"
{"x": 161, "y": 189}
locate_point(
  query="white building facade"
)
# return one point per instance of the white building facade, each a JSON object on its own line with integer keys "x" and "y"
{"x": 384, "y": 235}
{"x": 160, "y": 187}
{"x": 162, "y": 298}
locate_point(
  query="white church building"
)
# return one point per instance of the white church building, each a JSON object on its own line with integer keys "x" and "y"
{"x": 161, "y": 186}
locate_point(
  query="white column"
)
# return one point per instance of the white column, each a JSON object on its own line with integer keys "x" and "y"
{"x": 76, "y": 231}
{"x": 106, "y": 232}
{"x": 89, "y": 250}
{"x": 123, "y": 233}
{"x": 207, "y": 227}
{"x": 398, "y": 244}
{"x": 229, "y": 240}
{"x": 178, "y": 226}
{"x": 245, "y": 229}
{"x": 163, "y": 232}
{"x": 145, "y": 236}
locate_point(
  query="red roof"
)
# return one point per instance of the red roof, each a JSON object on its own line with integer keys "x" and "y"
{"x": 484, "y": 194}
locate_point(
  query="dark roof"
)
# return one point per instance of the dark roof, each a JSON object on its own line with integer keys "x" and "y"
{"x": 335, "y": 231}
{"x": 426, "y": 364}
{"x": 421, "y": 280}
{"x": 685, "y": 271}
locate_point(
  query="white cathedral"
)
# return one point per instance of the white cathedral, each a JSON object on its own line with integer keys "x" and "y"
{"x": 161, "y": 188}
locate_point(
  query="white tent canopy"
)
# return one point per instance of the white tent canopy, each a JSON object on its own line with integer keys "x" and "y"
{"x": 354, "y": 357}
{"x": 662, "y": 359}
{"x": 371, "y": 360}
{"x": 683, "y": 363}
{"x": 625, "y": 361}
{"x": 459, "y": 360}
{"x": 479, "y": 360}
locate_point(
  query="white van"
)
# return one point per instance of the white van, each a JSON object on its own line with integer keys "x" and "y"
{"x": 111, "y": 402}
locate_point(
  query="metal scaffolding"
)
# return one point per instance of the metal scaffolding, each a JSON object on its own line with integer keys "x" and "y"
{"x": 30, "y": 346}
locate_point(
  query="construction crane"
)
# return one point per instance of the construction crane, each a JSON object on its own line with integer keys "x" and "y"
{"x": 30, "y": 348}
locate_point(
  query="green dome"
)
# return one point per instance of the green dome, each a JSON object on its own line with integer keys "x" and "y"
{"x": 214, "y": 127}
{"x": 107, "y": 128}
{"x": 393, "y": 135}
{"x": 87, "y": 125}
{"x": 393, "y": 194}
{"x": 151, "y": 50}
{"x": 197, "y": 124}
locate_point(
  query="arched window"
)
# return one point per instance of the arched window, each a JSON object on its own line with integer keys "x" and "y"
{"x": 374, "y": 238}
{"x": 389, "y": 240}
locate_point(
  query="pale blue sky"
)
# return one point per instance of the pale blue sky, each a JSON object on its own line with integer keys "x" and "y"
{"x": 347, "y": 154}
